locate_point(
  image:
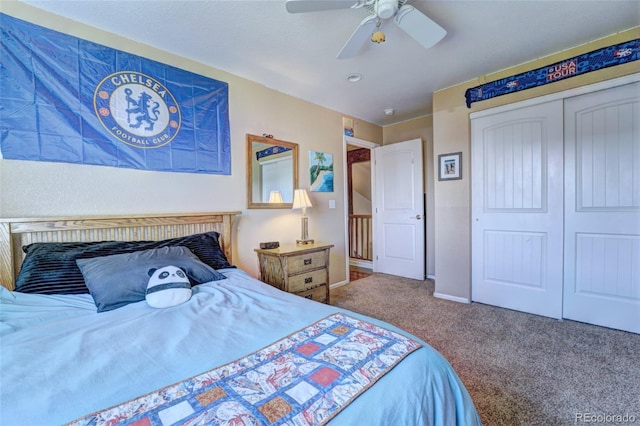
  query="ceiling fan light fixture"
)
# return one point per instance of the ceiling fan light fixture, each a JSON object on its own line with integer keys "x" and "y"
{"x": 354, "y": 78}
{"x": 385, "y": 9}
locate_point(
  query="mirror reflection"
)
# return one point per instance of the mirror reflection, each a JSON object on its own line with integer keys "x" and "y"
{"x": 272, "y": 172}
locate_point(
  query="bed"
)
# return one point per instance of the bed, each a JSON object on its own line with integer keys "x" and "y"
{"x": 235, "y": 352}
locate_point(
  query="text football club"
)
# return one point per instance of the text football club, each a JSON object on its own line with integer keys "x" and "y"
{"x": 137, "y": 109}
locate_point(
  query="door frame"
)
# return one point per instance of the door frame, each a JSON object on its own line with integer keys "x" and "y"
{"x": 363, "y": 144}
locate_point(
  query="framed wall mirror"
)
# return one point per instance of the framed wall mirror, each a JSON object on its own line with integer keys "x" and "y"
{"x": 272, "y": 172}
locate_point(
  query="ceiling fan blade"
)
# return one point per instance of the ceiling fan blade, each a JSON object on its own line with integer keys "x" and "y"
{"x": 419, "y": 26}
{"x": 302, "y": 6}
{"x": 360, "y": 36}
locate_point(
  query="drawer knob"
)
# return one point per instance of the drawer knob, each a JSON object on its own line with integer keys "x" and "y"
{"x": 307, "y": 261}
{"x": 308, "y": 280}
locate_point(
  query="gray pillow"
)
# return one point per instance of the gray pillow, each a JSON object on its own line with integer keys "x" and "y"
{"x": 117, "y": 280}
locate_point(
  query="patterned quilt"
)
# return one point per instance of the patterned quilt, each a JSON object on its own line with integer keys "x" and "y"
{"x": 303, "y": 379}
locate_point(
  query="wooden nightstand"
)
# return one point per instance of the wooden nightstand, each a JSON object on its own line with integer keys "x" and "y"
{"x": 298, "y": 269}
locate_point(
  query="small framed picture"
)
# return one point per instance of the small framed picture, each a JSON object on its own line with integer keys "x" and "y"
{"x": 450, "y": 166}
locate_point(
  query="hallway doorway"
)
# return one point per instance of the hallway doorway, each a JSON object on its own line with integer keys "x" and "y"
{"x": 358, "y": 206}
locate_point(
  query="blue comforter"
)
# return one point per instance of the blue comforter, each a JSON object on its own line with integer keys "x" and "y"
{"x": 60, "y": 360}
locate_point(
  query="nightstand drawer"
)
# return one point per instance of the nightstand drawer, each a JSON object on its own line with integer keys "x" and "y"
{"x": 298, "y": 283}
{"x": 305, "y": 262}
{"x": 319, "y": 294}
{"x": 298, "y": 269}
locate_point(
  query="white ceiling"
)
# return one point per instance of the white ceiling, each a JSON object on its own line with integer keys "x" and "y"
{"x": 295, "y": 53}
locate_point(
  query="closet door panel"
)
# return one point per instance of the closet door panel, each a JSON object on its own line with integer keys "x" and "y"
{"x": 602, "y": 208}
{"x": 517, "y": 209}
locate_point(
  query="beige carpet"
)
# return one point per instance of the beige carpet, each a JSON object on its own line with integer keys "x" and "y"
{"x": 520, "y": 369}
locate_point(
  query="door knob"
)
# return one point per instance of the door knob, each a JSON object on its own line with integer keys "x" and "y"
{"x": 416, "y": 217}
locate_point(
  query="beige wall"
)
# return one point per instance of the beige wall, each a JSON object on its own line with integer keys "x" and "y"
{"x": 47, "y": 189}
{"x": 30, "y": 188}
{"x": 451, "y": 133}
{"x": 421, "y": 128}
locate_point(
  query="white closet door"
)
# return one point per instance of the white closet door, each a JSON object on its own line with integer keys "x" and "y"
{"x": 517, "y": 209}
{"x": 602, "y": 208}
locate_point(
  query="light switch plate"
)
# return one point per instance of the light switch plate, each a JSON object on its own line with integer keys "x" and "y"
{"x": 332, "y": 204}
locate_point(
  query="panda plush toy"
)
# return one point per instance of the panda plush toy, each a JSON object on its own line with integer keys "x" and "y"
{"x": 168, "y": 286}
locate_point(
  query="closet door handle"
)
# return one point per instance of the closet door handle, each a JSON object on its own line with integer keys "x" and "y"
{"x": 416, "y": 217}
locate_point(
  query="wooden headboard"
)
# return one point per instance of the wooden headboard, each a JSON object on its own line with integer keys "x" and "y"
{"x": 14, "y": 233}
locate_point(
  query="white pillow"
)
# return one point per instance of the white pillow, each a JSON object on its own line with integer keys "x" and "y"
{"x": 168, "y": 286}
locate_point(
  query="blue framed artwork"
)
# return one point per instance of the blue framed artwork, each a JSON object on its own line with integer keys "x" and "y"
{"x": 321, "y": 171}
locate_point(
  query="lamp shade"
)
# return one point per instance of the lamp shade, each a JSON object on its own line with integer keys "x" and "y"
{"x": 301, "y": 199}
{"x": 275, "y": 197}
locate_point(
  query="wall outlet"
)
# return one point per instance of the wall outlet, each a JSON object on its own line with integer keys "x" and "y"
{"x": 332, "y": 204}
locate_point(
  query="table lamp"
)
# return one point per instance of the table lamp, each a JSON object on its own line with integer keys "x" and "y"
{"x": 275, "y": 197}
{"x": 301, "y": 201}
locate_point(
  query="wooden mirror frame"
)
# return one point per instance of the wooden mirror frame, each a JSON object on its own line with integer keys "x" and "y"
{"x": 250, "y": 160}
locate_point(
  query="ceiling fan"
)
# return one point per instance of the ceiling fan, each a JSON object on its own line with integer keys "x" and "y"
{"x": 413, "y": 22}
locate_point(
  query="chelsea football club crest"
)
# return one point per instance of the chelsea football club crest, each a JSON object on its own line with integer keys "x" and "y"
{"x": 137, "y": 109}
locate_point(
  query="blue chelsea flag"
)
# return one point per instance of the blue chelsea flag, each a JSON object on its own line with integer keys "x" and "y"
{"x": 70, "y": 100}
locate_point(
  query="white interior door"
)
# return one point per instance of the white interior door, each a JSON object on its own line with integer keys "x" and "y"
{"x": 399, "y": 238}
{"x": 602, "y": 207}
{"x": 517, "y": 209}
